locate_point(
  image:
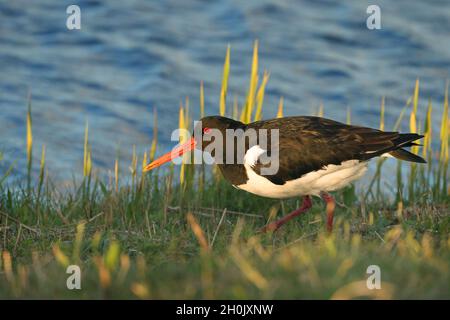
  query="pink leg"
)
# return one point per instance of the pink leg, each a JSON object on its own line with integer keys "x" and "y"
{"x": 273, "y": 226}
{"x": 331, "y": 204}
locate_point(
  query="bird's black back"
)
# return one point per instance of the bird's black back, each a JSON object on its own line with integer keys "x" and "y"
{"x": 310, "y": 143}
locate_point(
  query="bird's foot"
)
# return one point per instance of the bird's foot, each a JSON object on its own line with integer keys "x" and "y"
{"x": 275, "y": 225}
{"x": 331, "y": 204}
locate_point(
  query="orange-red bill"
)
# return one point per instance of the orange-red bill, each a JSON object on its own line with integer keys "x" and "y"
{"x": 175, "y": 153}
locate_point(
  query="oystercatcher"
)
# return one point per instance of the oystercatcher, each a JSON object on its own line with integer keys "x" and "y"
{"x": 314, "y": 156}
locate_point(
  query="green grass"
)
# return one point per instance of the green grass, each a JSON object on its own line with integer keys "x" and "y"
{"x": 191, "y": 235}
{"x": 164, "y": 255}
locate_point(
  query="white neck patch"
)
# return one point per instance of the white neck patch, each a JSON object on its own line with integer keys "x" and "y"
{"x": 252, "y": 155}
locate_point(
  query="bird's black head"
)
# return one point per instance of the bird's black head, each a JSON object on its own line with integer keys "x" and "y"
{"x": 207, "y": 129}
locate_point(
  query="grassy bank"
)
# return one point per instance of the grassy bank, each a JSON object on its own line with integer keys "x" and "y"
{"x": 160, "y": 243}
{"x": 189, "y": 234}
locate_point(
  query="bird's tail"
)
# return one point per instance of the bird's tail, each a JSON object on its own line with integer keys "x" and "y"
{"x": 406, "y": 140}
{"x": 402, "y": 154}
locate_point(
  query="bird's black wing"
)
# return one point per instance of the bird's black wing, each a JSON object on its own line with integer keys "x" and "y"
{"x": 310, "y": 143}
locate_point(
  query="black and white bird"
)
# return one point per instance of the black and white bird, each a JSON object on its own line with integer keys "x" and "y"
{"x": 315, "y": 156}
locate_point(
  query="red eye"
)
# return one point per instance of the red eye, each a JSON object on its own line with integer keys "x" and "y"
{"x": 206, "y": 130}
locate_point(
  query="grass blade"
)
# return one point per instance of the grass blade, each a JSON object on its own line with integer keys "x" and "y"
{"x": 253, "y": 83}
{"x": 29, "y": 144}
{"x": 280, "y": 108}
{"x": 260, "y": 96}
{"x": 202, "y": 100}
{"x": 224, "y": 89}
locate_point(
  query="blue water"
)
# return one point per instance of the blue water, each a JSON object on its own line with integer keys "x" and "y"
{"x": 133, "y": 56}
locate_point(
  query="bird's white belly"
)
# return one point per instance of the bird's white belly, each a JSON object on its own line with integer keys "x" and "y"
{"x": 330, "y": 178}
